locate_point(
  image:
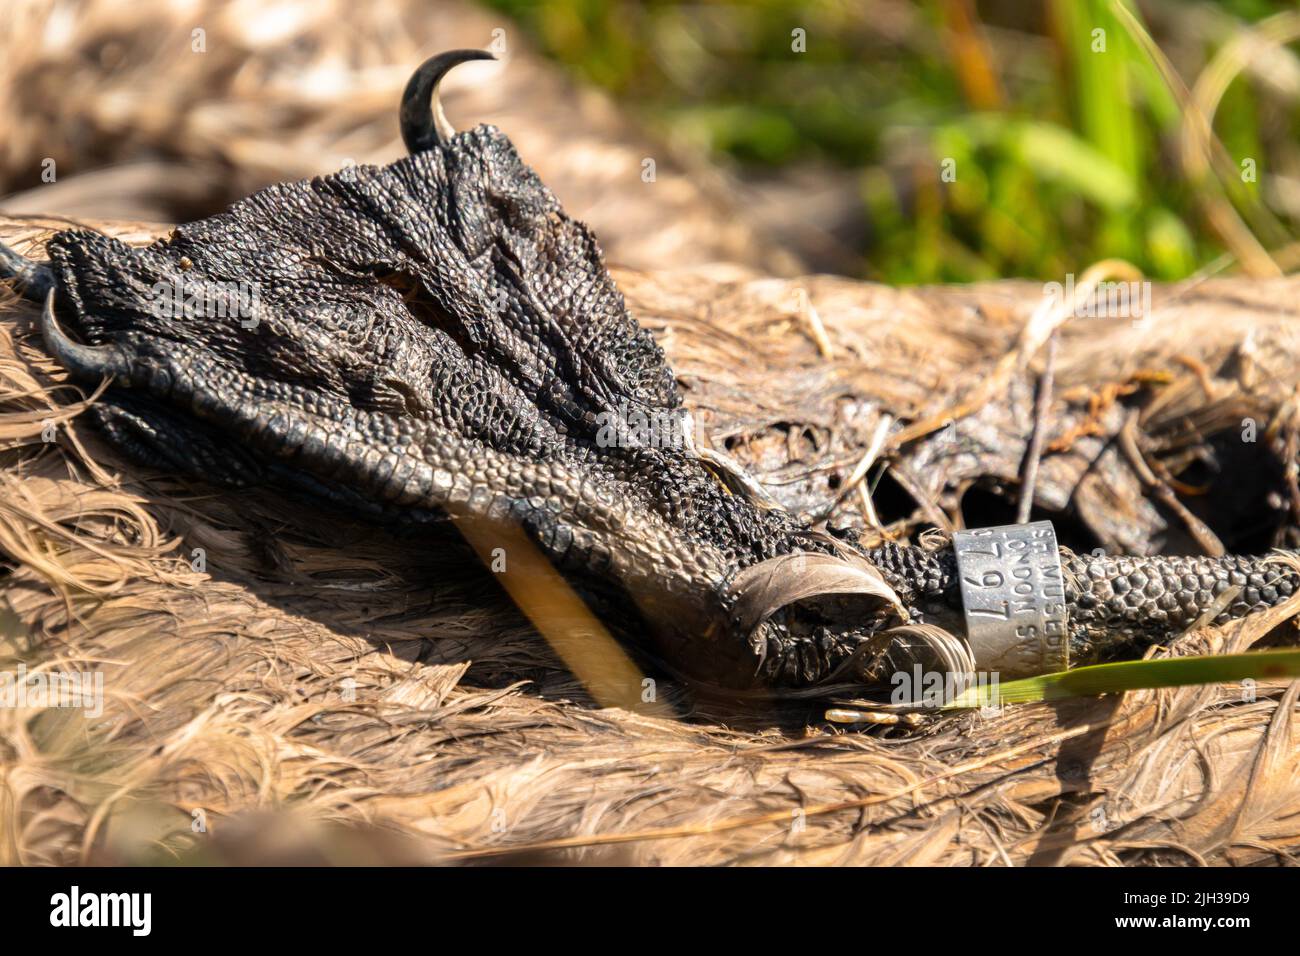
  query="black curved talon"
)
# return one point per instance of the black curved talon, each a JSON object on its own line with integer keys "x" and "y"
{"x": 31, "y": 279}
{"x": 484, "y": 385}
{"x": 424, "y": 124}
{"x": 81, "y": 361}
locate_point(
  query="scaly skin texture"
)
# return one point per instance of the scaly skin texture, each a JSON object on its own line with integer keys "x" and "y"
{"x": 436, "y": 337}
{"x": 431, "y": 336}
{"x": 1119, "y": 605}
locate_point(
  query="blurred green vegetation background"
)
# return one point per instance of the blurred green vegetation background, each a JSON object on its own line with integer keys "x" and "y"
{"x": 1062, "y": 125}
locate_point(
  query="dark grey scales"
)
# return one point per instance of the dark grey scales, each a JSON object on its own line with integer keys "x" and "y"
{"x": 436, "y": 337}
{"x": 1119, "y": 605}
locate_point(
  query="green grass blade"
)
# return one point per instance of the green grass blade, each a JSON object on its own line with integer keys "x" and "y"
{"x": 1134, "y": 675}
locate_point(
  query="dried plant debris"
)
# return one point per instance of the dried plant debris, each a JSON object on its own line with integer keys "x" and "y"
{"x": 436, "y": 338}
{"x": 359, "y": 673}
{"x": 250, "y": 652}
{"x": 164, "y": 112}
